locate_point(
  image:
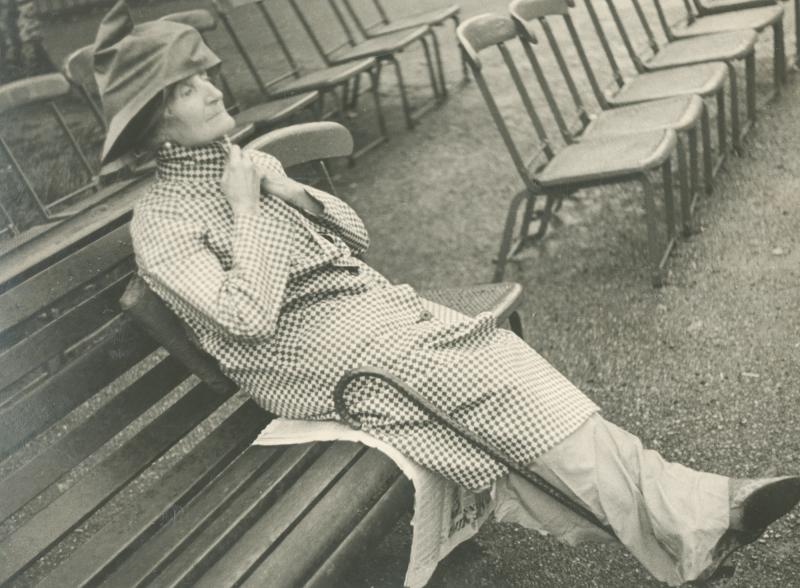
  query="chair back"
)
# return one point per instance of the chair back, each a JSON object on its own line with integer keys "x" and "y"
{"x": 605, "y": 43}
{"x": 381, "y": 18}
{"x": 688, "y": 16}
{"x": 484, "y": 32}
{"x": 45, "y": 90}
{"x": 526, "y": 11}
{"x": 308, "y": 142}
{"x": 336, "y": 14}
{"x": 625, "y": 32}
{"x": 225, "y": 10}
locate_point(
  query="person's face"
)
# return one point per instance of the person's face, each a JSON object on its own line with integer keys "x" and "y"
{"x": 195, "y": 114}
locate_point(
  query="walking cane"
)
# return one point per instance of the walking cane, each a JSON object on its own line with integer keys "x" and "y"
{"x": 471, "y": 437}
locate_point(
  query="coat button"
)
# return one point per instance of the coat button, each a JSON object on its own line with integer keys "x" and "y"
{"x": 425, "y": 315}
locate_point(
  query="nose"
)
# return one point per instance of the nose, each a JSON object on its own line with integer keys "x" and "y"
{"x": 213, "y": 94}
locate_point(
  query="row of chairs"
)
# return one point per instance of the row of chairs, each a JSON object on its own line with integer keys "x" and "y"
{"x": 330, "y": 90}
{"x": 664, "y": 102}
{"x": 643, "y": 123}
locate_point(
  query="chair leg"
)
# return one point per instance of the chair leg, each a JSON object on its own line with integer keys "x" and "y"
{"x": 375, "y": 76}
{"x": 464, "y": 66}
{"x": 431, "y": 69}
{"x": 383, "y": 135}
{"x": 656, "y": 258}
{"x": 439, "y": 65}
{"x": 779, "y": 55}
{"x": 508, "y": 233}
{"x": 356, "y": 92}
{"x": 525, "y": 226}
{"x": 797, "y": 32}
{"x": 669, "y": 193}
{"x": 721, "y": 130}
{"x": 736, "y": 125}
{"x": 750, "y": 75}
{"x": 708, "y": 164}
{"x": 346, "y": 96}
{"x": 683, "y": 182}
{"x": 694, "y": 163}
{"x": 403, "y": 96}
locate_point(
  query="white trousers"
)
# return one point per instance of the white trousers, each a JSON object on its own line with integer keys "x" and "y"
{"x": 667, "y": 515}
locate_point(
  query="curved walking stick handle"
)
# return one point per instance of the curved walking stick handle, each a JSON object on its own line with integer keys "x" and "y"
{"x": 340, "y": 405}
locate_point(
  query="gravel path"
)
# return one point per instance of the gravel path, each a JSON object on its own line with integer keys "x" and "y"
{"x": 704, "y": 370}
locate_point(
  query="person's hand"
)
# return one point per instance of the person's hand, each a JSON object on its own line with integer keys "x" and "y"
{"x": 241, "y": 183}
{"x": 285, "y": 188}
{"x": 290, "y": 191}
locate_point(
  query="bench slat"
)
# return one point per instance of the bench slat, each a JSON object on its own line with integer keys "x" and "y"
{"x": 57, "y": 459}
{"x": 109, "y": 476}
{"x": 326, "y": 524}
{"x": 306, "y": 477}
{"x": 162, "y": 503}
{"x": 58, "y": 335}
{"x": 62, "y": 277}
{"x": 370, "y": 530}
{"x": 160, "y": 549}
{"x": 25, "y": 416}
{"x": 70, "y": 235}
{"x": 265, "y": 534}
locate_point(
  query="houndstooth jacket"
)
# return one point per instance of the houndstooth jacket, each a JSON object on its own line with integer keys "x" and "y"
{"x": 280, "y": 299}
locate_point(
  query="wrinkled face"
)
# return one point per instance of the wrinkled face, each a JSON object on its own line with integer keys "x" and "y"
{"x": 195, "y": 114}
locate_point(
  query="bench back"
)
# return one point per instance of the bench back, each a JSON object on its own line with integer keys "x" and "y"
{"x": 124, "y": 469}
{"x": 78, "y": 381}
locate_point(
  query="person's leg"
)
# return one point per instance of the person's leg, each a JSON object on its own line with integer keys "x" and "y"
{"x": 668, "y": 516}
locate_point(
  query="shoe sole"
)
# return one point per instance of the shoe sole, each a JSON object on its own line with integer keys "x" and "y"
{"x": 769, "y": 503}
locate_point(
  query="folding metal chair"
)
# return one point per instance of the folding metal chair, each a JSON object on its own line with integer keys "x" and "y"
{"x": 757, "y": 19}
{"x": 327, "y": 81}
{"x": 42, "y": 89}
{"x": 274, "y": 110}
{"x": 432, "y": 18}
{"x": 593, "y": 162}
{"x": 706, "y": 80}
{"x": 384, "y": 48}
{"x": 706, "y": 7}
{"x": 686, "y": 115}
{"x": 719, "y": 47}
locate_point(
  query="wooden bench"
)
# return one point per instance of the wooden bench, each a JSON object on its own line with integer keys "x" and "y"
{"x": 121, "y": 467}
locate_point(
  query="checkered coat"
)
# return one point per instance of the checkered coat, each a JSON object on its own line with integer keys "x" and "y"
{"x": 281, "y": 299}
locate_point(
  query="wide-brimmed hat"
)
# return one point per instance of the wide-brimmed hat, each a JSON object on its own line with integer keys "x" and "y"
{"x": 134, "y": 63}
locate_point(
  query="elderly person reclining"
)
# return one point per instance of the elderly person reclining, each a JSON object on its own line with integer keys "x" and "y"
{"x": 266, "y": 273}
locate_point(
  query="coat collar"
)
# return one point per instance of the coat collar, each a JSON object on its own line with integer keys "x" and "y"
{"x": 206, "y": 162}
